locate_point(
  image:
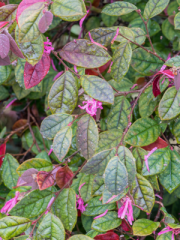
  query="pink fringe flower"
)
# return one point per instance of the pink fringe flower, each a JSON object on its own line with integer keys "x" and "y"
{"x": 117, "y": 32}
{"x": 9, "y": 104}
{"x": 10, "y": 204}
{"x": 126, "y": 210}
{"x": 157, "y": 195}
{"x": 109, "y": 70}
{"x": 91, "y": 106}
{"x": 147, "y": 156}
{"x": 49, "y": 204}
{"x": 168, "y": 229}
{"x": 80, "y": 201}
{"x": 102, "y": 215}
{"x": 98, "y": 44}
{"x": 48, "y": 46}
{"x": 82, "y": 20}
{"x": 58, "y": 75}
{"x": 50, "y": 151}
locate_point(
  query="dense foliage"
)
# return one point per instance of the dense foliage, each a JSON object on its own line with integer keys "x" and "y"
{"x": 89, "y": 119}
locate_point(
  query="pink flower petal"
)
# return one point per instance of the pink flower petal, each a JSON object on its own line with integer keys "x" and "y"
{"x": 117, "y": 32}
{"x": 58, "y": 75}
{"x": 50, "y": 151}
{"x": 9, "y": 104}
{"x": 114, "y": 196}
{"x": 98, "y": 44}
{"x": 81, "y": 186}
{"x": 158, "y": 196}
{"x": 82, "y": 19}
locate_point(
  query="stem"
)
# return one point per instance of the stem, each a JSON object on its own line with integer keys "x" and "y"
{"x": 148, "y": 36}
{"x": 147, "y": 50}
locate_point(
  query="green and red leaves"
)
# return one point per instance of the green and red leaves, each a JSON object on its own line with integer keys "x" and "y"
{"x": 85, "y": 54}
{"x": 13, "y": 226}
{"x": 143, "y": 132}
{"x": 33, "y": 75}
{"x": 5, "y": 46}
{"x": 62, "y": 142}
{"x": 63, "y": 176}
{"x": 71, "y": 10}
{"x": 118, "y": 8}
{"x": 97, "y": 88}
{"x": 116, "y": 177}
{"x": 8, "y": 12}
{"x": 87, "y": 136}
{"x": 45, "y": 21}
{"x": 144, "y": 227}
{"x": 63, "y": 95}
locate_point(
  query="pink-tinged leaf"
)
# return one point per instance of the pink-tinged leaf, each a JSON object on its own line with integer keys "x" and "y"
{"x": 8, "y": 12}
{"x": 159, "y": 143}
{"x": 177, "y": 80}
{"x": 2, "y": 4}
{"x": 5, "y": 61}
{"x": 2, "y": 152}
{"x": 44, "y": 180}
{"x": 4, "y": 46}
{"x": 2, "y": 24}
{"x": 45, "y": 21}
{"x": 33, "y": 75}
{"x": 63, "y": 176}
{"x": 28, "y": 178}
{"x": 110, "y": 235}
{"x": 13, "y": 46}
{"x": 25, "y": 4}
{"x": 156, "y": 89}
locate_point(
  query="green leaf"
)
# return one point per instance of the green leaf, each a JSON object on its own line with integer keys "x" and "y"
{"x": 176, "y": 130}
{"x": 169, "y": 104}
{"x": 127, "y": 158}
{"x": 126, "y": 33}
{"x": 143, "y": 193}
{"x": 168, "y": 217}
{"x": 109, "y": 139}
{"x": 138, "y": 23}
{"x": 85, "y": 54}
{"x": 124, "y": 85}
{"x": 9, "y": 175}
{"x": 144, "y": 62}
{"x": 69, "y": 10}
{"x": 19, "y": 91}
{"x": 108, "y": 195}
{"x": 86, "y": 222}
{"x": 13, "y": 226}
{"x": 143, "y": 132}
{"x": 153, "y": 181}
{"x": 62, "y": 142}
{"x": 168, "y": 30}
{"x": 140, "y": 35}
{"x": 63, "y": 95}
{"x": 80, "y": 237}
{"x": 65, "y": 208}
{"x": 97, "y": 88}
{"x": 118, "y": 115}
{"x": 173, "y": 62}
{"x": 144, "y": 227}
{"x": 23, "y": 237}
{"x": 33, "y": 204}
{"x": 104, "y": 36}
{"x": 92, "y": 22}
{"x": 177, "y": 21}
{"x": 98, "y": 163}
{"x": 108, "y": 20}
{"x": 32, "y": 50}
{"x": 53, "y": 124}
{"x": 95, "y": 207}
{"x": 37, "y": 163}
{"x": 8, "y": 12}
{"x": 93, "y": 233}
{"x": 165, "y": 236}
{"x": 3, "y": 93}
{"x": 5, "y": 72}
{"x": 158, "y": 162}
{"x": 121, "y": 61}
{"x": 154, "y": 7}
{"x": 106, "y": 223}
{"x": 28, "y": 22}
{"x": 170, "y": 178}
{"x": 116, "y": 176}
{"x": 87, "y": 136}
{"x": 51, "y": 227}
{"x": 178, "y": 1}
{"x": 118, "y": 8}
{"x": 98, "y": 185}
{"x": 86, "y": 190}
{"x": 147, "y": 102}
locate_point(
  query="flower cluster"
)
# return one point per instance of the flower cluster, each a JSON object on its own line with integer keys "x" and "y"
{"x": 126, "y": 209}
{"x": 10, "y": 204}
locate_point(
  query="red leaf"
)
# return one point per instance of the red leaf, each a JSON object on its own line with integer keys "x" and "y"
{"x": 25, "y": 4}
{"x": 107, "y": 236}
{"x": 159, "y": 143}
{"x": 2, "y": 152}
{"x": 13, "y": 45}
{"x": 63, "y": 175}
{"x": 45, "y": 21}
{"x": 156, "y": 90}
{"x": 125, "y": 226}
{"x": 2, "y": 4}
{"x": 4, "y": 46}
{"x": 33, "y": 75}
{"x": 2, "y": 24}
{"x": 5, "y": 61}
{"x": 44, "y": 180}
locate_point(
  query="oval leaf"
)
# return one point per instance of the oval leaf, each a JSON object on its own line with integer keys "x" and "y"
{"x": 86, "y": 189}
{"x": 144, "y": 227}
{"x": 44, "y": 180}
{"x": 63, "y": 176}
{"x": 5, "y": 46}
{"x": 118, "y": 8}
{"x": 85, "y": 54}
{"x": 154, "y": 7}
{"x": 45, "y": 21}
